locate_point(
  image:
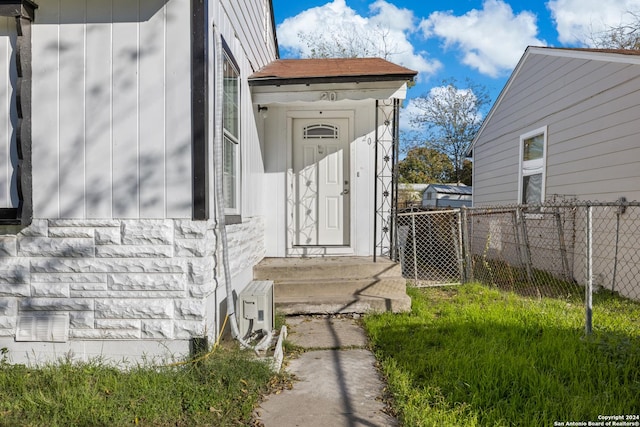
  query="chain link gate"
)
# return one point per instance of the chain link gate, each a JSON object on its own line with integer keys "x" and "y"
{"x": 430, "y": 247}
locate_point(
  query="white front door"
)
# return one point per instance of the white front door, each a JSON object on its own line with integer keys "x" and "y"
{"x": 321, "y": 182}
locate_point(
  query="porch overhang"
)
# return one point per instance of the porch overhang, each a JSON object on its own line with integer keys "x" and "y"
{"x": 329, "y": 79}
{"x": 289, "y": 94}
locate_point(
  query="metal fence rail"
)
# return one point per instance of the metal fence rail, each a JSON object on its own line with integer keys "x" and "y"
{"x": 566, "y": 250}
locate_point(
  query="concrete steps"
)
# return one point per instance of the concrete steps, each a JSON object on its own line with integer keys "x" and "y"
{"x": 335, "y": 285}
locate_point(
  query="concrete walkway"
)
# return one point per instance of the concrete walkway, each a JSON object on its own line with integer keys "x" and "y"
{"x": 337, "y": 383}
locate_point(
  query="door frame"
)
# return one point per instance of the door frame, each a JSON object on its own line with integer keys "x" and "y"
{"x": 318, "y": 250}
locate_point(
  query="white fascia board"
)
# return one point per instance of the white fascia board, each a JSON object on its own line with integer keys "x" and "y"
{"x": 586, "y": 55}
{"x": 328, "y": 92}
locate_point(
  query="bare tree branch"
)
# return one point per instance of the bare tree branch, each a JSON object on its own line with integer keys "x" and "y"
{"x": 623, "y": 36}
{"x": 350, "y": 41}
{"x": 451, "y": 117}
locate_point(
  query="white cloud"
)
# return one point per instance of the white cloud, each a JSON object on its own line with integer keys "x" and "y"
{"x": 406, "y": 113}
{"x": 388, "y": 24}
{"x": 492, "y": 39}
{"x": 577, "y": 20}
{"x": 392, "y": 17}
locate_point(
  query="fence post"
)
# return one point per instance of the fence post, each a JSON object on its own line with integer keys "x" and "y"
{"x": 459, "y": 246}
{"x": 516, "y": 237}
{"x": 563, "y": 249}
{"x": 466, "y": 244}
{"x": 415, "y": 251}
{"x": 525, "y": 252}
{"x": 619, "y": 211}
{"x": 589, "y": 286}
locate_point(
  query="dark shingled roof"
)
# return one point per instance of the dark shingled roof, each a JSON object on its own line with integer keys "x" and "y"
{"x": 329, "y": 70}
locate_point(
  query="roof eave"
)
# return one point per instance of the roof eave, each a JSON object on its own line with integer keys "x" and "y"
{"x": 589, "y": 54}
{"x": 280, "y": 81}
{"x": 505, "y": 88}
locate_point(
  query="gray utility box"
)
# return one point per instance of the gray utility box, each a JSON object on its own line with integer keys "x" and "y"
{"x": 255, "y": 307}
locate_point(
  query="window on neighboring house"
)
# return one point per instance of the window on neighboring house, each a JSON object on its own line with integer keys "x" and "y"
{"x": 532, "y": 167}
{"x": 231, "y": 130}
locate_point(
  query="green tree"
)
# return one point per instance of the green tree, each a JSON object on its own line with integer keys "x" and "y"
{"x": 466, "y": 173}
{"x": 424, "y": 165}
{"x": 450, "y": 117}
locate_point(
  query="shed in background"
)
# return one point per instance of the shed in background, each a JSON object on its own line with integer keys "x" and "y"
{"x": 446, "y": 196}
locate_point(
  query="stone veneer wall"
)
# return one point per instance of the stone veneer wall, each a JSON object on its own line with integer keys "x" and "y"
{"x": 119, "y": 279}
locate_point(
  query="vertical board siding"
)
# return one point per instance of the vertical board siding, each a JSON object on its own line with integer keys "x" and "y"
{"x": 126, "y": 109}
{"x": 71, "y": 78}
{"x": 152, "y": 56}
{"x": 111, "y": 101}
{"x": 98, "y": 111}
{"x": 45, "y": 111}
{"x": 178, "y": 110}
{"x": 8, "y": 115}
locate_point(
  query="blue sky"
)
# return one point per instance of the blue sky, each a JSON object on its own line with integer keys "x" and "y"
{"x": 477, "y": 39}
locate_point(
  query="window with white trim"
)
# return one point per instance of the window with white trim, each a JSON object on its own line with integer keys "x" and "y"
{"x": 231, "y": 134}
{"x": 533, "y": 148}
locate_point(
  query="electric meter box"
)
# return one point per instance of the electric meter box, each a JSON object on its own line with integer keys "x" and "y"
{"x": 255, "y": 307}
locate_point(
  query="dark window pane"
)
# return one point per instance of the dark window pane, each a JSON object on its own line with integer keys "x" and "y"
{"x": 532, "y": 189}
{"x": 230, "y": 99}
{"x": 533, "y": 148}
{"x": 229, "y": 181}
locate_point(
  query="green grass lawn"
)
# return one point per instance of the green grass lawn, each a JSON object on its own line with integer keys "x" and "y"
{"x": 474, "y": 356}
{"x": 221, "y": 390}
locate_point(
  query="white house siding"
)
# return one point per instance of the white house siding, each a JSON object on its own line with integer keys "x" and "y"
{"x": 251, "y": 20}
{"x": 112, "y": 249}
{"x": 112, "y": 109}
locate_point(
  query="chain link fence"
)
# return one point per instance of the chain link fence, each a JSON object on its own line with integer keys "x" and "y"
{"x": 566, "y": 250}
